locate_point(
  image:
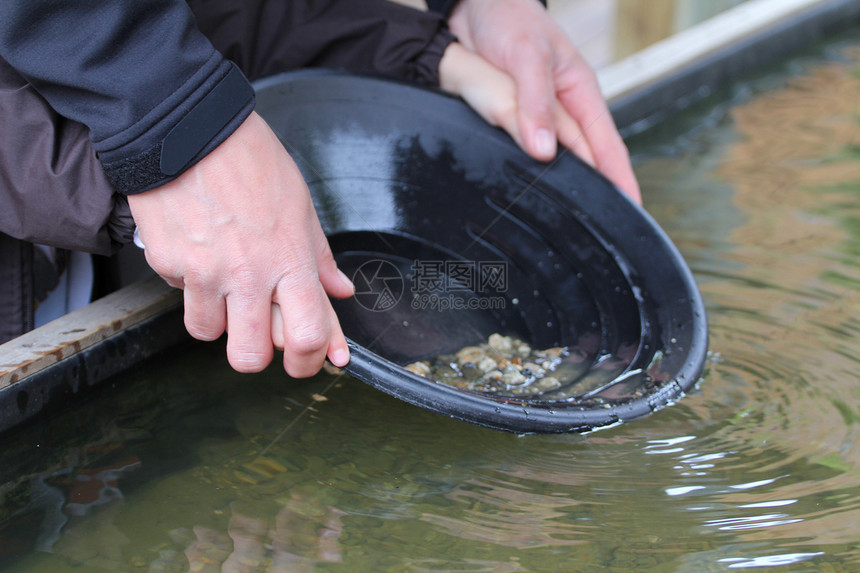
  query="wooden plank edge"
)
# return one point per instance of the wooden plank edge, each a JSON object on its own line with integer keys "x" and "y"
{"x": 75, "y": 332}
{"x": 697, "y": 71}
{"x": 52, "y": 389}
{"x": 697, "y": 42}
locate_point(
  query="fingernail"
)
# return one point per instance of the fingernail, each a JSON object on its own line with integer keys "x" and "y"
{"x": 340, "y": 357}
{"x": 345, "y": 280}
{"x": 545, "y": 143}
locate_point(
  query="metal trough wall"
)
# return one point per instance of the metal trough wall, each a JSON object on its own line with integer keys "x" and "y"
{"x": 44, "y": 368}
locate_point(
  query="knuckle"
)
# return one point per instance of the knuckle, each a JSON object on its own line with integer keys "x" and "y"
{"x": 243, "y": 273}
{"x": 300, "y": 278}
{"x": 162, "y": 264}
{"x": 309, "y": 338}
{"x": 200, "y": 277}
{"x": 174, "y": 282}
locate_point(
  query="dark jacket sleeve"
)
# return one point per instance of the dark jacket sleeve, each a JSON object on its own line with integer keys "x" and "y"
{"x": 266, "y": 37}
{"x": 154, "y": 93}
{"x": 441, "y": 6}
{"x": 53, "y": 191}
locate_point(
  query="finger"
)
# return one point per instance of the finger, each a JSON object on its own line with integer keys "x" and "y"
{"x": 487, "y": 89}
{"x": 531, "y": 69}
{"x": 613, "y": 160}
{"x": 158, "y": 261}
{"x": 333, "y": 280}
{"x": 306, "y": 325}
{"x": 338, "y": 351}
{"x": 571, "y": 136}
{"x": 338, "y": 285}
{"x": 277, "y": 327}
{"x": 617, "y": 167}
{"x": 205, "y": 314}
{"x": 585, "y": 104}
{"x": 249, "y": 330}
{"x": 511, "y": 124}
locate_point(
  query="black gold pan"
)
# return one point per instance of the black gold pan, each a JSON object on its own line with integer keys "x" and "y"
{"x": 451, "y": 234}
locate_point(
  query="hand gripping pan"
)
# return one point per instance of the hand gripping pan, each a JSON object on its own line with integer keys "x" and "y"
{"x": 451, "y": 233}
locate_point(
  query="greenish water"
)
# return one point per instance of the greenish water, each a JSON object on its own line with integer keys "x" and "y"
{"x": 189, "y": 466}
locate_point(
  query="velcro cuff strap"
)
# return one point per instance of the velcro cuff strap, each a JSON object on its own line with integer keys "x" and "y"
{"x": 205, "y": 120}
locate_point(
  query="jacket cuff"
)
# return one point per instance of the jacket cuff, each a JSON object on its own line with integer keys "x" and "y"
{"x": 205, "y": 123}
{"x": 425, "y": 68}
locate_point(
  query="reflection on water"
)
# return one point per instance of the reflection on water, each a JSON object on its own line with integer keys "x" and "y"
{"x": 191, "y": 467}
